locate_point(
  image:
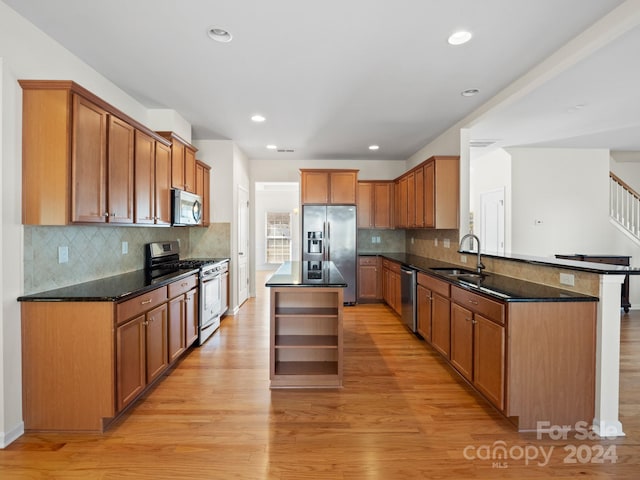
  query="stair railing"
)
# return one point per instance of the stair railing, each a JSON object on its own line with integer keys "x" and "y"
{"x": 624, "y": 205}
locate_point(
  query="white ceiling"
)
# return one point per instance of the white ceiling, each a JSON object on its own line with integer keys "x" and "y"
{"x": 335, "y": 76}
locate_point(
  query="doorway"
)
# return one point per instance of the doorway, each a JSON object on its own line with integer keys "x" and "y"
{"x": 243, "y": 245}
{"x": 492, "y": 221}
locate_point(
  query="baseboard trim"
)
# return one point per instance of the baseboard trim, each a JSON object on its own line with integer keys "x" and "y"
{"x": 6, "y": 438}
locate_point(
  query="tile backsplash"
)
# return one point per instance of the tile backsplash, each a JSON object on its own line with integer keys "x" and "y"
{"x": 96, "y": 252}
{"x": 389, "y": 240}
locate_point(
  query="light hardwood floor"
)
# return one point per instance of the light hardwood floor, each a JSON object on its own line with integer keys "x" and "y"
{"x": 402, "y": 414}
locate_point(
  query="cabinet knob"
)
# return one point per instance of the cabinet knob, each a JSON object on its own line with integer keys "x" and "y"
{"x": 105, "y": 214}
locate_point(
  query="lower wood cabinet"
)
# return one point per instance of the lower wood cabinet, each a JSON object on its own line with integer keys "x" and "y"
{"x": 369, "y": 279}
{"x": 391, "y": 287}
{"x": 534, "y": 361}
{"x": 104, "y": 356}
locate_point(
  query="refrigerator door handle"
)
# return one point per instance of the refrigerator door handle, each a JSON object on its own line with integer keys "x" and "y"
{"x": 328, "y": 244}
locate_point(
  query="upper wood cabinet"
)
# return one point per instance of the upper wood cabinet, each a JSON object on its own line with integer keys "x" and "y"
{"x": 152, "y": 181}
{"x": 328, "y": 187}
{"x": 428, "y": 195}
{"x": 183, "y": 162}
{"x": 77, "y": 157}
{"x": 375, "y": 204}
{"x": 203, "y": 176}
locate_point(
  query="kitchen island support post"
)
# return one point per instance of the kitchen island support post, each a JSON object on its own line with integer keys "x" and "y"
{"x": 606, "y": 422}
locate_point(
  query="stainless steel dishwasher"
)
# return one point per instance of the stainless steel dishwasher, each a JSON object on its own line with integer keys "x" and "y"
{"x": 408, "y": 297}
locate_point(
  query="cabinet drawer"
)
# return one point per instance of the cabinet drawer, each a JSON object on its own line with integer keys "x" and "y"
{"x": 479, "y": 304}
{"x": 391, "y": 265}
{"x": 140, "y": 304}
{"x": 368, "y": 260}
{"x": 182, "y": 286}
{"x": 438, "y": 286}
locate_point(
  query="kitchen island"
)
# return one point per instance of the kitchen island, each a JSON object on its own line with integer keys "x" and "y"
{"x": 306, "y": 325}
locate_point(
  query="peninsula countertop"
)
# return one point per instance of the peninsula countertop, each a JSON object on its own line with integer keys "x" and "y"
{"x": 504, "y": 288}
{"x": 307, "y": 274}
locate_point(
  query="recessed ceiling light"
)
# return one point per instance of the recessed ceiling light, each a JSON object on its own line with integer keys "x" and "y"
{"x": 258, "y": 118}
{"x": 219, "y": 34}
{"x": 374, "y": 147}
{"x": 469, "y": 92}
{"x": 460, "y": 37}
{"x": 272, "y": 147}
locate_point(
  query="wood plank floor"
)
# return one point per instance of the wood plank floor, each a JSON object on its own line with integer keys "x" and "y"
{"x": 402, "y": 414}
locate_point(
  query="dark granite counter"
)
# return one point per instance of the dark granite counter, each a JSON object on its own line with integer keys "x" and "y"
{"x": 504, "y": 288}
{"x": 110, "y": 289}
{"x": 307, "y": 274}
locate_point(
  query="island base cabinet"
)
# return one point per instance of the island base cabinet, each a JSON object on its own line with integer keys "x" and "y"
{"x": 551, "y": 363}
{"x": 306, "y": 337}
{"x": 68, "y": 374}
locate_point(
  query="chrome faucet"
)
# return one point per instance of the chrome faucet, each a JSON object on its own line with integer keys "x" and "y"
{"x": 480, "y": 265}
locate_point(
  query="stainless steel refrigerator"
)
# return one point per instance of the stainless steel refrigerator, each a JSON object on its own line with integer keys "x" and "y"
{"x": 329, "y": 233}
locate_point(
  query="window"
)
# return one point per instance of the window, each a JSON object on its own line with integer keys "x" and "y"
{"x": 278, "y": 226}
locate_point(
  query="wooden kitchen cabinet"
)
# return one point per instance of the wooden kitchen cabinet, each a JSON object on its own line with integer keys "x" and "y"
{"x": 369, "y": 288}
{"x": 78, "y": 156}
{"x": 391, "y": 285}
{"x": 478, "y": 342}
{"x": 203, "y": 176}
{"x": 152, "y": 181}
{"x": 328, "y": 187}
{"x": 72, "y": 384}
{"x": 428, "y": 195}
{"x": 101, "y": 165}
{"x": 432, "y": 305}
{"x": 141, "y": 344}
{"x": 183, "y": 162}
{"x": 181, "y": 316}
{"x": 375, "y": 204}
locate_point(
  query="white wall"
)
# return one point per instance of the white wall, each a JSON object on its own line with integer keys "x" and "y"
{"x": 490, "y": 172}
{"x": 626, "y": 165}
{"x": 276, "y": 198}
{"x": 218, "y": 154}
{"x": 568, "y": 191}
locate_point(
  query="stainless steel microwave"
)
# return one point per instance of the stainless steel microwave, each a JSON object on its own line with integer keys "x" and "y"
{"x": 186, "y": 208}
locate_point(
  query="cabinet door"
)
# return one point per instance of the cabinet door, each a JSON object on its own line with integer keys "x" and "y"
{"x": 411, "y": 200}
{"x": 343, "y": 187}
{"x": 423, "y": 302}
{"x": 386, "y": 286}
{"x": 367, "y": 282}
{"x": 365, "y": 205}
{"x": 145, "y": 174}
{"x": 120, "y": 171}
{"x": 418, "y": 179}
{"x": 315, "y": 187}
{"x": 177, "y": 164}
{"x": 462, "y": 340}
{"x": 383, "y": 205}
{"x": 130, "y": 360}
{"x": 440, "y": 324}
{"x": 397, "y": 293}
{"x": 156, "y": 333}
{"x": 191, "y": 316}
{"x": 177, "y": 335}
{"x": 430, "y": 194}
{"x": 88, "y": 162}
{"x": 401, "y": 203}
{"x": 489, "y": 359}
{"x": 189, "y": 170}
{"x": 163, "y": 185}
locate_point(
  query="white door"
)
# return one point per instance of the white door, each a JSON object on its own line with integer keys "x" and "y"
{"x": 492, "y": 221}
{"x": 243, "y": 245}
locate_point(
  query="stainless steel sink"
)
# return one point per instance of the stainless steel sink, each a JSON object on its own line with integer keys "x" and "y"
{"x": 458, "y": 272}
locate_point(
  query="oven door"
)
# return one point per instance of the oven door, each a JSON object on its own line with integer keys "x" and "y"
{"x": 210, "y": 304}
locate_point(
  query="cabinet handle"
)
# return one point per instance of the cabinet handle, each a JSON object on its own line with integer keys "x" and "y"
{"x": 468, "y": 319}
{"x": 145, "y": 323}
{"x": 145, "y": 302}
{"x": 474, "y": 321}
{"x": 473, "y": 302}
{"x": 105, "y": 214}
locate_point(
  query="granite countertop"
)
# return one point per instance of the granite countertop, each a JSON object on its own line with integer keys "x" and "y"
{"x": 110, "y": 289}
{"x": 307, "y": 274}
{"x": 501, "y": 287}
